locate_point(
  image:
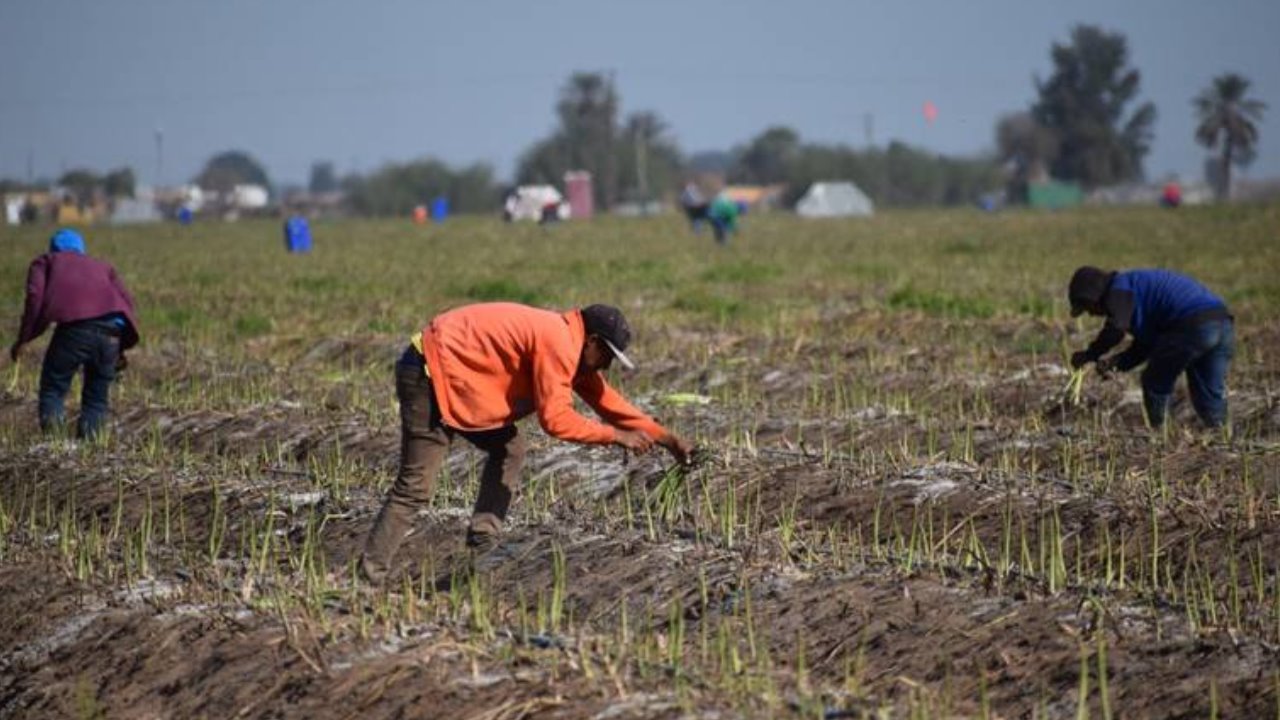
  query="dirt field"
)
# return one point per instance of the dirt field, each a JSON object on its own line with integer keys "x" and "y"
{"x": 898, "y": 509}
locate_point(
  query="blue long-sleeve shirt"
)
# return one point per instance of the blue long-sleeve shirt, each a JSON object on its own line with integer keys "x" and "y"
{"x": 1145, "y": 303}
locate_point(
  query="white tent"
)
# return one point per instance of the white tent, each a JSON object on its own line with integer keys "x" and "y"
{"x": 13, "y": 209}
{"x": 834, "y": 199}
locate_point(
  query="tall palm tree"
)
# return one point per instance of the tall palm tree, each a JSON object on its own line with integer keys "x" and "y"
{"x": 1226, "y": 114}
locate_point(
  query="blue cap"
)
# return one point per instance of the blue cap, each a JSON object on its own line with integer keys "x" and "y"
{"x": 66, "y": 240}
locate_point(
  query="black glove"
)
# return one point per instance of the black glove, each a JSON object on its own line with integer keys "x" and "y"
{"x": 1080, "y": 358}
{"x": 1106, "y": 366}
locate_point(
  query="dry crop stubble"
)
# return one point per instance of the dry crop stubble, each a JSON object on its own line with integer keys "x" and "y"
{"x": 901, "y": 512}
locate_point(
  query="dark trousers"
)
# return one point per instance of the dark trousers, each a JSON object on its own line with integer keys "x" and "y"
{"x": 1203, "y": 351}
{"x": 697, "y": 215}
{"x": 424, "y": 446}
{"x": 94, "y": 346}
{"x": 722, "y": 230}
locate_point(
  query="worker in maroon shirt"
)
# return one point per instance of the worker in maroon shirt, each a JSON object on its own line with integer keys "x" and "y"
{"x": 95, "y": 325}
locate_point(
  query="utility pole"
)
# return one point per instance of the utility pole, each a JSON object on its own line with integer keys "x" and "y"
{"x": 869, "y": 127}
{"x": 159, "y": 157}
{"x": 610, "y": 166}
{"x": 642, "y": 175}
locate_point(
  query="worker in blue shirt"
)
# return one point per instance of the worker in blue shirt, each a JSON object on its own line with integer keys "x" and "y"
{"x": 1177, "y": 325}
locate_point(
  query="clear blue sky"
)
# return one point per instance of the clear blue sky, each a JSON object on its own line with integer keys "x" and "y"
{"x": 87, "y": 83}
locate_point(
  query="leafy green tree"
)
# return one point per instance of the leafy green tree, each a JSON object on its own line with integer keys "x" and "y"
{"x": 588, "y": 112}
{"x": 716, "y": 161}
{"x": 1027, "y": 149}
{"x": 896, "y": 176}
{"x": 119, "y": 183}
{"x": 767, "y": 158}
{"x": 473, "y": 189}
{"x": 649, "y": 161}
{"x": 80, "y": 183}
{"x": 914, "y": 177}
{"x": 1083, "y": 102}
{"x": 323, "y": 178}
{"x": 396, "y": 189}
{"x": 10, "y": 185}
{"x": 226, "y": 170}
{"x": 638, "y": 159}
{"x": 1226, "y": 115}
{"x": 545, "y": 162}
{"x": 85, "y": 184}
{"x": 965, "y": 180}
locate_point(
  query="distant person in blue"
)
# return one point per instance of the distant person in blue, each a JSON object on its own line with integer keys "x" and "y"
{"x": 1177, "y": 325}
{"x": 297, "y": 234}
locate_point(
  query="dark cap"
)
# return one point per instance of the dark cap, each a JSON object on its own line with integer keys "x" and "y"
{"x": 607, "y": 323}
{"x": 1088, "y": 288}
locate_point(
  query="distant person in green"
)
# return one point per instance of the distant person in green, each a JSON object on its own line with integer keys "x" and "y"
{"x": 723, "y": 216}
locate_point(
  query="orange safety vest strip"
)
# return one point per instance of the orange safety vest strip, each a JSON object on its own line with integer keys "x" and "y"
{"x": 495, "y": 363}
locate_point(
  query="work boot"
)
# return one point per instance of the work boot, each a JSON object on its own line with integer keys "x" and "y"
{"x": 483, "y": 550}
{"x": 371, "y": 573}
{"x": 480, "y": 544}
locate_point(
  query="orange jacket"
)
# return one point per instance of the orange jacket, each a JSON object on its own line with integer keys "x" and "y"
{"x": 494, "y": 363}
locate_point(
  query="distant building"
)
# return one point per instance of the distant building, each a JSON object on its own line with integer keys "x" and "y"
{"x": 639, "y": 209}
{"x": 1147, "y": 194}
{"x": 68, "y": 213}
{"x": 249, "y": 197}
{"x": 316, "y": 204}
{"x": 1054, "y": 194}
{"x": 13, "y": 208}
{"x": 1259, "y": 190}
{"x": 754, "y": 198}
{"x": 577, "y": 185}
{"x": 128, "y": 211}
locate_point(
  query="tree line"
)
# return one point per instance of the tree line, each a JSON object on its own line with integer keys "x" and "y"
{"x": 1086, "y": 124}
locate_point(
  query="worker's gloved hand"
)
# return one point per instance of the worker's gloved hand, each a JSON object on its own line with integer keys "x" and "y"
{"x": 1080, "y": 358}
{"x": 122, "y": 362}
{"x": 1106, "y": 366}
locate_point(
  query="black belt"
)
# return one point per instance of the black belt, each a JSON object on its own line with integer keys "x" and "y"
{"x": 106, "y": 327}
{"x": 411, "y": 357}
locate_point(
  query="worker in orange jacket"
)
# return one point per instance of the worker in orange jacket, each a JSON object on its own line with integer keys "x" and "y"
{"x": 475, "y": 371}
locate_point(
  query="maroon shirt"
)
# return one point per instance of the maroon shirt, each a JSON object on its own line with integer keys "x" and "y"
{"x": 63, "y": 287}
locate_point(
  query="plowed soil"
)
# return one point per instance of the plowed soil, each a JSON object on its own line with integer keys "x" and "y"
{"x": 826, "y": 558}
